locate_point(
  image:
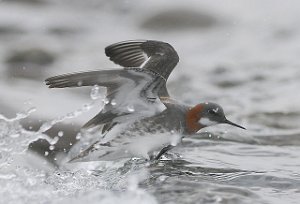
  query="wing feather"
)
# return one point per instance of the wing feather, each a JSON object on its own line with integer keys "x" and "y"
{"x": 148, "y": 65}
{"x": 157, "y": 56}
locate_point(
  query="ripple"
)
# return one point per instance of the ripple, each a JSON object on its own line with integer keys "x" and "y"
{"x": 265, "y": 181}
{"x": 290, "y": 139}
{"x": 278, "y": 120}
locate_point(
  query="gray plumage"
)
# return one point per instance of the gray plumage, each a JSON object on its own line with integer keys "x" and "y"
{"x": 140, "y": 85}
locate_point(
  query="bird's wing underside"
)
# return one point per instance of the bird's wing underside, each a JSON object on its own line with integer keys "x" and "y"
{"x": 129, "y": 92}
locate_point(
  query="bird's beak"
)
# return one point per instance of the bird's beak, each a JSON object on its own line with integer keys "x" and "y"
{"x": 233, "y": 124}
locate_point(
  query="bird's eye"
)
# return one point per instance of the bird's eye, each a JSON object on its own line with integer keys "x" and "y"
{"x": 212, "y": 112}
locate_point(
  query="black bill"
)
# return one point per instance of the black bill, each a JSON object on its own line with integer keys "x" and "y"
{"x": 233, "y": 124}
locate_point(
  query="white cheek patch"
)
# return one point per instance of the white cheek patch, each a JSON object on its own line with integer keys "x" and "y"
{"x": 207, "y": 122}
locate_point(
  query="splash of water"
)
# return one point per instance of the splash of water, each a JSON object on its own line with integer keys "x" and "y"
{"x": 27, "y": 178}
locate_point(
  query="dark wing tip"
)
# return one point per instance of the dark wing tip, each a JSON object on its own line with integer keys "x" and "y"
{"x": 48, "y": 82}
{"x": 54, "y": 83}
{"x": 134, "y": 53}
{"x": 127, "y": 53}
{"x": 124, "y": 44}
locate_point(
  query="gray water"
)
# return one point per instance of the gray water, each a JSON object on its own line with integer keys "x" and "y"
{"x": 242, "y": 55}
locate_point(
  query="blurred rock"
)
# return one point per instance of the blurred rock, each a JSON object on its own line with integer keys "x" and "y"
{"x": 284, "y": 34}
{"x": 220, "y": 70}
{"x": 229, "y": 83}
{"x": 64, "y": 31}
{"x": 176, "y": 20}
{"x": 33, "y": 56}
{"x": 259, "y": 77}
{"x": 29, "y": 63}
{"x": 9, "y": 30}
{"x": 29, "y": 1}
{"x": 223, "y": 77}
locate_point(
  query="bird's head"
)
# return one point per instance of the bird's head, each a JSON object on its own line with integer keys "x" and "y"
{"x": 204, "y": 115}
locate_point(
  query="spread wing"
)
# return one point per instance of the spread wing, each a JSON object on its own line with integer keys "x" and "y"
{"x": 128, "y": 93}
{"x": 148, "y": 65}
{"x": 156, "y": 56}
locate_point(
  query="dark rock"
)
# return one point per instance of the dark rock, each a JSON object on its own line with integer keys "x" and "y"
{"x": 64, "y": 31}
{"x": 284, "y": 34}
{"x": 37, "y": 2}
{"x": 220, "y": 70}
{"x": 33, "y": 56}
{"x": 229, "y": 83}
{"x": 176, "y": 20}
{"x": 9, "y": 30}
{"x": 259, "y": 77}
{"x": 30, "y": 63}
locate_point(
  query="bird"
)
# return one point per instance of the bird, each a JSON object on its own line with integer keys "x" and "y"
{"x": 139, "y": 119}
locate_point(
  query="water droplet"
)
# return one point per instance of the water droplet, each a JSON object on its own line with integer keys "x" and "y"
{"x": 95, "y": 94}
{"x": 54, "y": 140}
{"x": 30, "y": 127}
{"x": 51, "y": 147}
{"x": 60, "y": 133}
{"x": 130, "y": 108}
{"x": 105, "y": 101}
{"x": 71, "y": 143}
{"x": 97, "y": 146}
{"x": 113, "y": 102}
{"x": 79, "y": 83}
{"x": 54, "y": 158}
{"x": 46, "y": 153}
{"x": 78, "y": 136}
{"x": 86, "y": 107}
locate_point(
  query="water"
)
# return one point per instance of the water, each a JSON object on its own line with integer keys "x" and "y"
{"x": 243, "y": 55}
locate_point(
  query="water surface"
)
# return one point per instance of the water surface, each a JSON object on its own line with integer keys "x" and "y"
{"x": 242, "y": 55}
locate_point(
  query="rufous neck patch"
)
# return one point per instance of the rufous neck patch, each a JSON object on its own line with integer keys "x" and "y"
{"x": 192, "y": 118}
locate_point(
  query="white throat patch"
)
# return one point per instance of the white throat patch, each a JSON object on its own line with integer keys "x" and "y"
{"x": 207, "y": 122}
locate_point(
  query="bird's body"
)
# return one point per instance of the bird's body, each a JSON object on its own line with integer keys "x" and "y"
{"x": 138, "y": 138}
{"x": 140, "y": 116}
